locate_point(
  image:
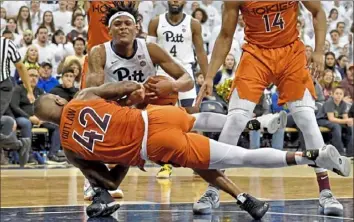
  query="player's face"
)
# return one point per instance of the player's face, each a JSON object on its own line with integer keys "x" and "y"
{"x": 123, "y": 30}
{"x": 175, "y": 6}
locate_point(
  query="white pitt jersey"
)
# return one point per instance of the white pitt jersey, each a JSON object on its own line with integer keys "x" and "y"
{"x": 176, "y": 39}
{"x": 136, "y": 68}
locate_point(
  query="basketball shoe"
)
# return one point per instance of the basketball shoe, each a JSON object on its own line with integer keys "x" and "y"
{"x": 329, "y": 205}
{"x": 273, "y": 121}
{"x": 103, "y": 204}
{"x": 252, "y": 205}
{"x": 165, "y": 172}
{"x": 89, "y": 192}
{"x": 209, "y": 200}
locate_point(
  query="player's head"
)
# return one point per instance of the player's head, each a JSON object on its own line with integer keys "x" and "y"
{"x": 121, "y": 20}
{"x": 49, "y": 107}
{"x": 176, "y": 6}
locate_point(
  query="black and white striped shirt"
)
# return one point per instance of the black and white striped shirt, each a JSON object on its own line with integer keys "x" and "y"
{"x": 9, "y": 53}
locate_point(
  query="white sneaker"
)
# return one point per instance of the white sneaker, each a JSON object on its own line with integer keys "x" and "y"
{"x": 329, "y": 205}
{"x": 329, "y": 158}
{"x": 273, "y": 122}
{"x": 89, "y": 192}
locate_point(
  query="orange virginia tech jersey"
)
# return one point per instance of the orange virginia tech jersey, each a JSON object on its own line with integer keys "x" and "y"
{"x": 270, "y": 24}
{"x": 103, "y": 131}
{"x": 97, "y": 31}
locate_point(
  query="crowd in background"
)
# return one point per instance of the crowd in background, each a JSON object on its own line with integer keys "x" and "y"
{"x": 51, "y": 37}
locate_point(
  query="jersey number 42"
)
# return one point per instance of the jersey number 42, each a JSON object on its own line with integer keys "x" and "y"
{"x": 88, "y": 138}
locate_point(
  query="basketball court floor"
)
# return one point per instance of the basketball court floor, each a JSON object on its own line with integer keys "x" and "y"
{"x": 55, "y": 194}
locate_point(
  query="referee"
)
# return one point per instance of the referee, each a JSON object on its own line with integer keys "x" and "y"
{"x": 9, "y": 53}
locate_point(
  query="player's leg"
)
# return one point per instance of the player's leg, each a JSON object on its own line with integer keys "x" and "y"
{"x": 296, "y": 87}
{"x": 247, "y": 88}
{"x": 102, "y": 180}
{"x": 253, "y": 206}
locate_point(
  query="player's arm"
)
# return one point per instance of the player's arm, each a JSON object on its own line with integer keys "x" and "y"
{"x": 224, "y": 40}
{"x": 319, "y": 23}
{"x": 96, "y": 60}
{"x": 199, "y": 46}
{"x": 109, "y": 91}
{"x": 22, "y": 71}
{"x": 160, "y": 57}
{"x": 152, "y": 30}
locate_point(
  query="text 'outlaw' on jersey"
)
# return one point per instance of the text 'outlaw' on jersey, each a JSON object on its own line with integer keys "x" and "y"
{"x": 176, "y": 39}
{"x": 102, "y": 131}
{"x": 136, "y": 68}
{"x": 270, "y": 24}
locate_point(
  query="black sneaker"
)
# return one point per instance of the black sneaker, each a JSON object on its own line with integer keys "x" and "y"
{"x": 24, "y": 151}
{"x": 253, "y": 206}
{"x": 103, "y": 204}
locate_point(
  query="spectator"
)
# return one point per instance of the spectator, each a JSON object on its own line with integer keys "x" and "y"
{"x": 63, "y": 48}
{"x": 343, "y": 38}
{"x": 62, "y": 17}
{"x": 202, "y": 17}
{"x": 79, "y": 48}
{"x": 66, "y": 90}
{"x": 328, "y": 83}
{"x": 77, "y": 68}
{"x": 214, "y": 18}
{"x": 12, "y": 7}
{"x": 22, "y": 108}
{"x": 199, "y": 81}
{"x": 46, "y": 51}
{"x": 332, "y": 19}
{"x": 2, "y": 13}
{"x": 348, "y": 85}
{"x": 194, "y": 6}
{"x": 336, "y": 47}
{"x": 26, "y": 42}
{"x": 140, "y": 28}
{"x": 24, "y": 21}
{"x": 342, "y": 63}
{"x": 330, "y": 63}
{"x": 334, "y": 116}
{"x": 30, "y": 61}
{"x": 12, "y": 27}
{"x": 309, "y": 51}
{"x": 77, "y": 28}
{"x": 48, "y": 22}
{"x": 36, "y": 14}
{"x": 46, "y": 82}
{"x": 227, "y": 70}
{"x": 146, "y": 9}
{"x": 327, "y": 46}
{"x": 72, "y": 5}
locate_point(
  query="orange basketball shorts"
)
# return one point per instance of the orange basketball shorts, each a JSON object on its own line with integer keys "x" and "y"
{"x": 285, "y": 67}
{"x": 169, "y": 140}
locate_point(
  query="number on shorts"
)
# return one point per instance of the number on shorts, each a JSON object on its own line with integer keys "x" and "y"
{"x": 88, "y": 139}
{"x": 173, "y": 51}
{"x": 278, "y": 21}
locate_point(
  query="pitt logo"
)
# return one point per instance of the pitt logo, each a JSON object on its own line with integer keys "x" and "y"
{"x": 124, "y": 74}
{"x": 172, "y": 37}
{"x": 269, "y": 9}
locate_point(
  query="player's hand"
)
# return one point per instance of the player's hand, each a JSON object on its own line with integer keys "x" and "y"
{"x": 317, "y": 64}
{"x": 31, "y": 97}
{"x": 205, "y": 90}
{"x": 136, "y": 97}
{"x": 159, "y": 88}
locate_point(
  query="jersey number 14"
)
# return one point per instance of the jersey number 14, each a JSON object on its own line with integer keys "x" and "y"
{"x": 277, "y": 22}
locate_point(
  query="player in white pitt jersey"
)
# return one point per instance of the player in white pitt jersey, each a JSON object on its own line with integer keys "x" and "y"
{"x": 179, "y": 34}
{"x": 126, "y": 58}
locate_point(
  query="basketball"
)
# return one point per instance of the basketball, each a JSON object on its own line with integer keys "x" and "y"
{"x": 162, "y": 100}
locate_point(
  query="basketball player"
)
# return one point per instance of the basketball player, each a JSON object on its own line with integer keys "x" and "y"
{"x": 273, "y": 53}
{"x": 179, "y": 34}
{"x": 129, "y": 58}
{"x": 95, "y": 130}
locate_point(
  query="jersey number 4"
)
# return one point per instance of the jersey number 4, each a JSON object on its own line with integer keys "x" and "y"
{"x": 88, "y": 139}
{"x": 278, "y": 21}
{"x": 173, "y": 51}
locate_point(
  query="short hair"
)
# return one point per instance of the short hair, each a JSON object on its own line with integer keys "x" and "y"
{"x": 198, "y": 74}
{"x": 6, "y": 31}
{"x": 120, "y": 6}
{"x": 205, "y": 15}
{"x": 338, "y": 87}
{"x": 79, "y": 39}
{"x": 334, "y": 31}
{"x": 67, "y": 69}
{"x": 74, "y": 18}
{"x": 338, "y": 23}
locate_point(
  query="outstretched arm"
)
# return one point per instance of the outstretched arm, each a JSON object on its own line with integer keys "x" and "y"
{"x": 199, "y": 46}
{"x": 109, "y": 91}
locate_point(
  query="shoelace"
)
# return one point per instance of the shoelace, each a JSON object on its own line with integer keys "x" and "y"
{"x": 207, "y": 197}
